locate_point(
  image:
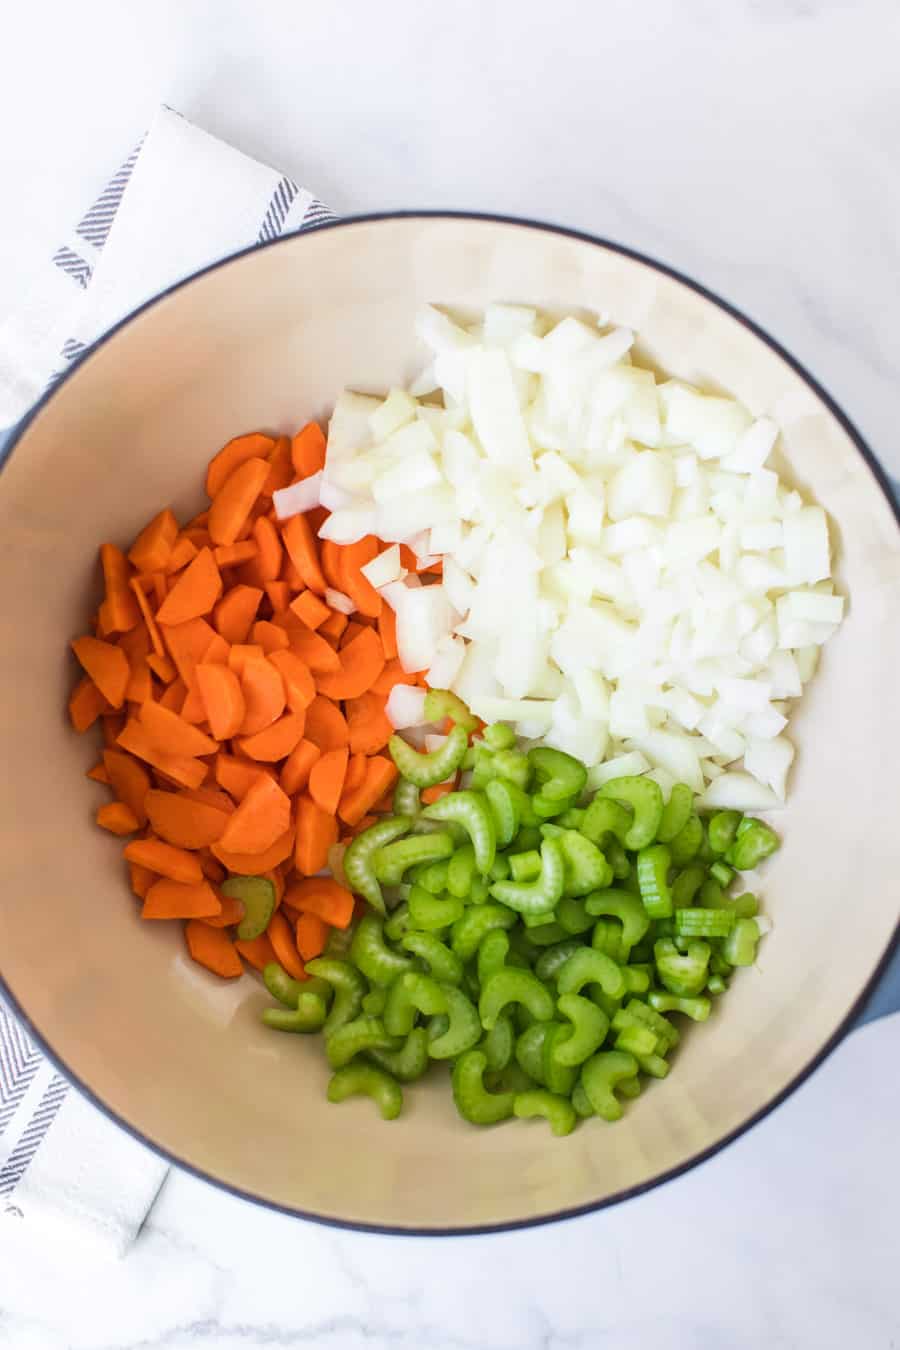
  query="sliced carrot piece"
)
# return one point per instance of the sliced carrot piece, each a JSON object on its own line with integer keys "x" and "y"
{"x": 381, "y": 774}
{"x": 299, "y": 685}
{"x": 316, "y": 832}
{"x": 324, "y": 897}
{"x": 136, "y": 646}
{"x": 232, "y": 910}
{"x": 334, "y": 625}
{"x": 160, "y": 587}
{"x": 188, "y": 643}
{"x": 140, "y": 879}
{"x": 300, "y": 543}
{"x": 264, "y": 695}
{"x": 113, "y": 724}
{"x": 140, "y": 595}
{"x": 437, "y": 791}
{"x": 368, "y": 724}
{"x": 314, "y": 650}
{"x": 223, "y": 699}
{"x": 179, "y": 900}
{"x": 312, "y": 935}
{"x": 387, "y": 631}
{"x": 217, "y": 652}
{"x": 241, "y": 653}
{"x": 130, "y": 781}
{"x": 231, "y": 555}
{"x": 276, "y": 741}
{"x": 257, "y": 952}
{"x": 194, "y": 593}
{"x": 268, "y": 549}
{"x": 182, "y": 769}
{"x": 174, "y": 696}
{"x": 182, "y": 822}
{"x": 393, "y": 673}
{"x": 165, "y": 859}
{"x": 98, "y": 773}
{"x": 236, "y": 776}
{"x": 356, "y": 772}
{"x": 86, "y": 704}
{"x": 254, "y": 445}
{"x": 117, "y": 818}
{"x": 121, "y": 608}
{"x": 255, "y": 864}
{"x": 284, "y": 945}
{"x": 270, "y": 637}
{"x": 279, "y": 594}
{"x": 107, "y": 666}
{"x": 235, "y": 612}
{"x": 296, "y": 768}
{"x": 290, "y": 576}
{"x": 359, "y": 588}
{"x": 326, "y": 779}
{"x": 281, "y": 468}
{"x": 162, "y": 667}
{"x": 171, "y": 734}
{"x": 183, "y": 552}
{"x": 234, "y": 500}
{"x": 152, "y": 549}
{"x": 308, "y": 450}
{"x": 325, "y": 725}
{"x": 262, "y": 816}
{"x": 213, "y": 949}
{"x": 362, "y": 661}
{"x": 207, "y": 795}
{"x": 309, "y": 609}
{"x": 332, "y": 561}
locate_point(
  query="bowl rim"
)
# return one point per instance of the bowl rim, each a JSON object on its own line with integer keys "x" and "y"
{"x": 893, "y": 944}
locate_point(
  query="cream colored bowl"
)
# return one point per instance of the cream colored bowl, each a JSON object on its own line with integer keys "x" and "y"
{"x": 269, "y": 339}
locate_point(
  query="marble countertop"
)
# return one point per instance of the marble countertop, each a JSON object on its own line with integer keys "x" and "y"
{"x": 751, "y": 144}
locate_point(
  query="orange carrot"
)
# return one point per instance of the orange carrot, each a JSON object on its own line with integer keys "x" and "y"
{"x": 183, "y": 552}
{"x": 300, "y": 543}
{"x": 234, "y": 500}
{"x": 182, "y": 769}
{"x": 368, "y": 724}
{"x": 255, "y": 864}
{"x": 299, "y": 686}
{"x": 179, "y": 900}
{"x": 207, "y": 795}
{"x": 356, "y": 772}
{"x": 308, "y": 450}
{"x": 312, "y": 935}
{"x": 194, "y": 593}
{"x": 242, "y": 652}
{"x": 223, "y": 699}
{"x": 236, "y": 452}
{"x": 172, "y": 735}
{"x": 323, "y": 897}
{"x": 188, "y": 643}
{"x": 334, "y": 625}
{"x": 257, "y": 952}
{"x": 230, "y": 555}
{"x": 130, "y": 781}
{"x": 309, "y": 609}
{"x": 270, "y": 637}
{"x": 387, "y": 631}
{"x": 217, "y": 652}
{"x": 162, "y": 667}
{"x": 117, "y": 818}
{"x": 353, "y": 629}
{"x": 362, "y": 661}
{"x": 325, "y": 725}
{"x": 237, "y": 776}
{"x": 359, "y": 588}
{"x": 182, "y": 822}
{"x": 268, "y": 549}
{"x": 232, "y": 910}
{"x": 113, "y": 724}
{"x": 86, "y": 703}
{"x": 281, "y": 468}
{"x": 264, "y": 696}
{"x": 140, "y": 879}
{"x": 316, "y": 832}
{"x": 121, "y": 607}
{"x": 289, "y": 574}
{"x": 235, "y": 612}
{"x": 279, "y": 594}
{"x": 296, "y": 768}
{"x": 393, "y": 673}
{"x": 326, "y": 779}
{"x": 174, "y": 696}
{"x": 98, "y": 773}
{"x": 152, "y": 549}
{"x": 284, "y": 945}
{"x": 136, "y": 646}
{"x": 262, "y": 816}
{"x": 212, "y": 948}
{"x": 331, "y": 564}
{"x": 435, "y": 793}
{"x": 107, "y": 666}
{"x": 159, "y": 586}
{"x": 314, "y": 650}
{"x": 276, "y": 741}
{"x": 381, "y": 774}
{"x": 147, "y": 613}
{"x": 165, "y": 859}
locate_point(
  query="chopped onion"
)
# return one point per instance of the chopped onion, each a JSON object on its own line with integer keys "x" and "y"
{"x": 297, "y": 498}
{"x": 339, "y": 601}
{"x": 384, "y": 568}
{"x": 405, "y": 706}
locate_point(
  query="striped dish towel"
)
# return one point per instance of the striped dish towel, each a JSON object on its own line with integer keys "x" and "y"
{"x": 181, "y": 200}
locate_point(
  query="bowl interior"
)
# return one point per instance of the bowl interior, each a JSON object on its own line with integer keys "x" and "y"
{"x": 269, "y": 340}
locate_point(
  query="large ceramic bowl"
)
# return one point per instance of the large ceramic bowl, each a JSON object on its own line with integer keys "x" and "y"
{"x": 268, "y": 339}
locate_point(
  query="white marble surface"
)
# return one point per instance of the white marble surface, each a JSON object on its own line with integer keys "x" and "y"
{"x": 751, "y": 143}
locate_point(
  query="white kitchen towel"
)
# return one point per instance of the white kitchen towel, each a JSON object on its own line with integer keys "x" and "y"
{"x": 181, "y": 200}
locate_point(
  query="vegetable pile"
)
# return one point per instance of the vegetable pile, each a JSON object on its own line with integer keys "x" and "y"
{"x": 624, "y": 575}
{"x": 532, "y": 937}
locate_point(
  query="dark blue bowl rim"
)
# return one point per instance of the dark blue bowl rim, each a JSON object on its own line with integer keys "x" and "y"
{"x": 846, "y": 1023}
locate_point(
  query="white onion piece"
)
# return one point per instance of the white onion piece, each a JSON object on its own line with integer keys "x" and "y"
{"x": 332, "y": 496}
{"x": 405, "y": 706}
{"x": 423, "y": 618}
{"x": 446, "y": 665}
{"x": 738, "y": 791}
{"x": 299, "y": 497}
{"x": 339, "y": 601}
{"x": 620, "y": 766}
{"x": 384, "y": 568}
{"x": 349, "y": 525}
{"x": 769, "y": 761}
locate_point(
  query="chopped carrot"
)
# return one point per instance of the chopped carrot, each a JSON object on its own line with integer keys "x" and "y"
{"x": 241, "y": 653}
{"x": 393, "y": 673}
{"x": 149, "y": 619}
{"x": 331, "y": 564}
{"x": 312, "y": 935}
{"x": 356, "y": 772}
{"x": 316, "y": 832}
{"x": 230, "y": 555}
{"x": 174, "y": 696}
{"x": 217, "y": 652}
{"x": 362, "y": 661}
{"x": 334, "y": 625}
{"x": 165, "y": 859}
{"x": 159, "y": 586}
{"x": 194, "y": 593}
{"x": 98, "y": 773}
{"x": 152, "y": 549}
{"x": 262, "y": 816}
{"x": 284, "y": 945}
{"x": 279, "y": 593}
{"x": 381, "y": 774}
{"x": 269, "y": 552}
{"x": 274, "y": 875}
{"x": 314, "y": 650}
{"x": 270, "y": 637}
{"x": 182, "y": 822}
{"x": 326, "y": 779}
{"x": 235, "y": 612}
{"x": 296, "y": 768}
{"x": 207, "y": 795}
{"x": 325, "y": 725}
{"x": 212, "y": 948}
{"x": 255, "y": 864}
{"x": 140, "y": 879}
{"x": 130, "y": 781}
{"x": 387, "y": 631}
{"x": 183, "y": 552}
{"x": 309, "y": 609}
{"x": 236, "y": 776}
{"x": 299, "y": 686}
{"x": 359, "y": 588}
{"x": 275, "y": 742}
{"x": 324, "y": 897}
{"x": 369, "y": 727}
{"x": 234, "y": 500}
{"x": 117, "y": 818}
{"x": 257, "y": 952}
{"x": 290, "y": 576}
{"x": 435, "y": 793}
{"x": 180, "y": 900}
{"x": 281, "y": 468}
{"x": 188, "y": 643}
{"x": 162, "y": 667}
{"x": 254, "y": 445}
{"x": 308, "y": 450}
{"x": 232, "y": 910}
{"x": 182, "y": 769}
{"x": 86, "y": 703}
{"x": 121, "y": 607}
{"x": 300, "y": 543}
{"x": 223, "y": 699}
{"x": 264, "y": 696}
{"x": 113, "y": 724}
{"x": 171, "y": 734}
{"x": 354, "y": 627}
{"x": 107, "y": 666}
